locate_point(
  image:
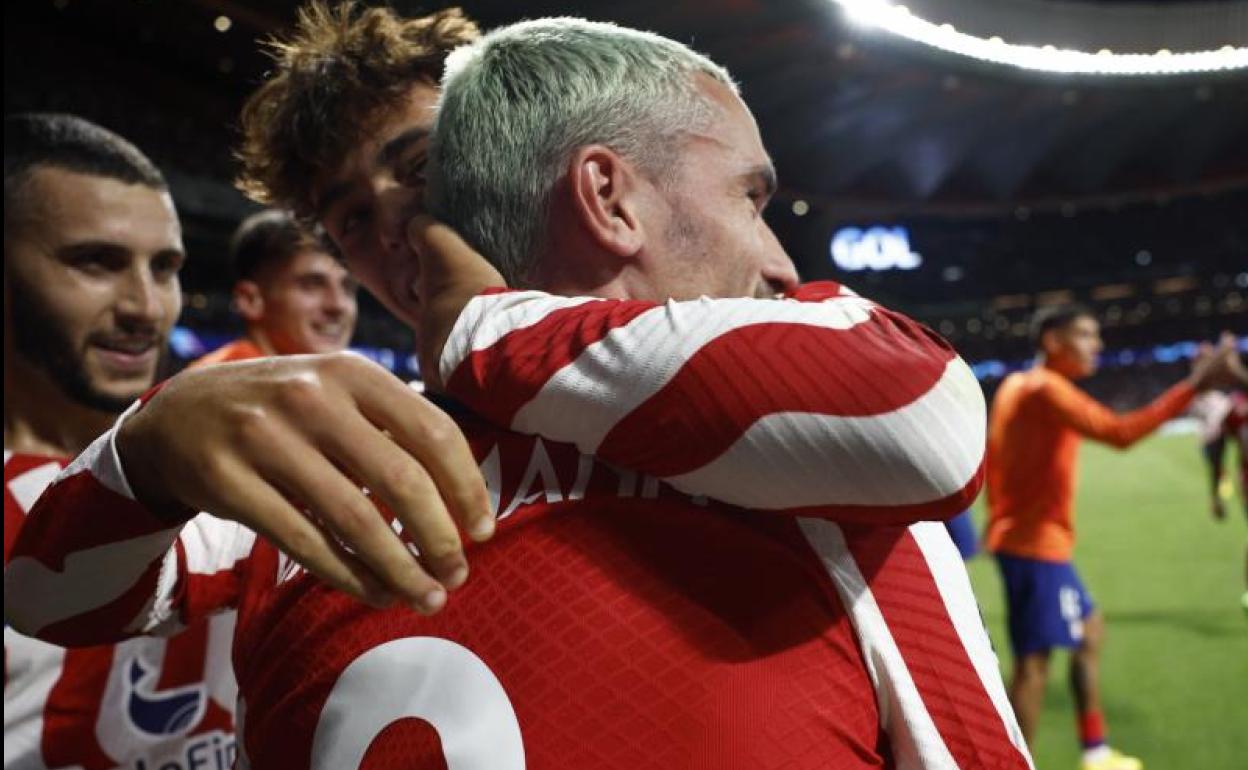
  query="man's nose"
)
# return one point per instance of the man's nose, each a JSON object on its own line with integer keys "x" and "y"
{"x": 139, "y": 298}
{"x": 395, "y": 209}
{"x": 780, "y": 272}
{"x": 336, "y": 301}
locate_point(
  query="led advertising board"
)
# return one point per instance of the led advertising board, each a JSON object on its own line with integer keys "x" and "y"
{"x": 873, "y": 248}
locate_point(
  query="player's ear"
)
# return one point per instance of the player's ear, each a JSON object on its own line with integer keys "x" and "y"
{"x": 605, "y": 193}
{"x": 248, "y": 301}
{"x": 1059, "y": 344}
{"x": 1050, "y": 342}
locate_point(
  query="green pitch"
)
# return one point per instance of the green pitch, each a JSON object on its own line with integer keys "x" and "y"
{"x": 1168, "y": 578}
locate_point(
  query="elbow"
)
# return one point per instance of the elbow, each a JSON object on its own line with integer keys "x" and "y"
{"x": 25, "y": 618}
{"x": 932, "y": 465}
{"x": 946, "y": 452}
{"x": 28, "y": 606}
{"x": 957, "y": 503}
{"x": 1122, "y": 443}
{"x": 946, "y": 495}
{"x": 19, "y": 622}
{"x": 19, "y": 612}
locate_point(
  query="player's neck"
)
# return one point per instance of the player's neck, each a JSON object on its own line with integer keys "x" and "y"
{"x": 1045, "y": 362}
{"x": 256, "y": 336}
{"x": 39, "y": 418}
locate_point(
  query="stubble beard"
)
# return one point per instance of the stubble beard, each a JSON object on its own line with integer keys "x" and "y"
{"x": 45, "y": 344}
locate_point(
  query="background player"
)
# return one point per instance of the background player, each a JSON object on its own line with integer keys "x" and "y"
{"x": 962, "y": 532}
{"x": 1224, "y": 420}
{"x": 293, "y": 296}
{"x": 92, "y": 250}
{"x": 1036, "y": 422}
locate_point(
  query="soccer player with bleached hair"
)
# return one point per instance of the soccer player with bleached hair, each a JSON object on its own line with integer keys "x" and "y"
{"x": 616, "y": 619}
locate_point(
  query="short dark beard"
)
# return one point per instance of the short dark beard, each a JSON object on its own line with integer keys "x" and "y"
{"x": 43, "y": 342}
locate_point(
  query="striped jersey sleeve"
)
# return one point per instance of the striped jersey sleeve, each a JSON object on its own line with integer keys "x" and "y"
{"x": 855, "y": 412}
{"x": 938, "y": 683}
{"x": 92, "y": 565}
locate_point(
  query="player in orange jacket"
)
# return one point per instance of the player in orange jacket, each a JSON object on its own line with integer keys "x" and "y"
{"x": 291, "y": 292}
{"x": 1035, "y": 425}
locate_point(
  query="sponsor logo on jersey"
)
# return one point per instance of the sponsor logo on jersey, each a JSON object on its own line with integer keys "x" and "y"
{"x": 211, "y": 751}
{"x": 161, "y": 712}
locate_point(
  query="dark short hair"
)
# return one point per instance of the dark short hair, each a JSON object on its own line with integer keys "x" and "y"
{"x": 1056, "y": 317}
{"x": 71, "y": 143}
{"x": 268, "y": 238}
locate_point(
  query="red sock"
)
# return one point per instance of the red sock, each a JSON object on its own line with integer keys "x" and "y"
{"x": 1092, "y": 729}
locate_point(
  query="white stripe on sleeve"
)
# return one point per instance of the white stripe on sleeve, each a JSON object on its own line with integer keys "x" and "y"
{"x": 915, "y": 740}
{"x": 954, "y": 584}
{"x": 922, "y": 452}
{"x": 488, "y": 318}
{"x": 615, "y": 375}
{"x": 92, "y": 578}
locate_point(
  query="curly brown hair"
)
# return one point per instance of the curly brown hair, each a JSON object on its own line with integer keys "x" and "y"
{"x": 339, "y": 68}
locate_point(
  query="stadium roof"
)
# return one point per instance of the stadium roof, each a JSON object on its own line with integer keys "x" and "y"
{"x": 855, "y": 117}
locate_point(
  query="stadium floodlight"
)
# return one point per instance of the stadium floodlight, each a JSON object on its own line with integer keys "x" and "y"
{"x": 898, "y": 20}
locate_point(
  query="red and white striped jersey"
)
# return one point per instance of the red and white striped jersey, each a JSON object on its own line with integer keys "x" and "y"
{"x": 146, "y": 704}
{"x": 1237, "y": 426}
{"x": 615, "y": 621}
{"x": 824, "y": 403}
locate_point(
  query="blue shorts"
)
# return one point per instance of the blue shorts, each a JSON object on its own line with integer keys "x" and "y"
{"x": 1046, "y": 604}
{"x": 962, "y": 530}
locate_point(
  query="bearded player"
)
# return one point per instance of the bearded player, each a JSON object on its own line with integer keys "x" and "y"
{"x": 533, "y": 482}
{"x": 92, "y": 250}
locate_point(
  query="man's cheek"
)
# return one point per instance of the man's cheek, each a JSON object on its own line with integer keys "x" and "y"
{"x": 173, "y": 310}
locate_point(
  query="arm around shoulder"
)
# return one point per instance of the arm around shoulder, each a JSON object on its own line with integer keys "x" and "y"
{"x": 824, "y": 404}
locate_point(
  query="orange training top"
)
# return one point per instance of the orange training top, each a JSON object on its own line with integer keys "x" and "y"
{"x": 1033, "y": 444}
{"x": 240, "y": 349}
